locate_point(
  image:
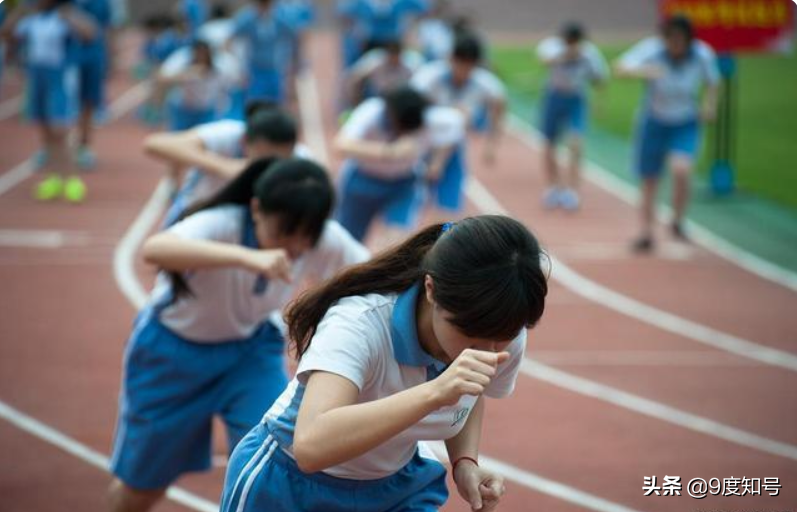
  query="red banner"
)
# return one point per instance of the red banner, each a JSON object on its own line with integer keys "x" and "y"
{"x": 732, "y": 26}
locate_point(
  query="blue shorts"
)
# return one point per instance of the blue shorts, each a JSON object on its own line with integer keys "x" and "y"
{"x": 448, "y": 191}
{"x": 563, "y": 113}
{"x": 52, "y": 95}
{"x": 183, "y": 118}
{"x": 171, "y": 390}
{"x": 92, "y": 83}
{"x": 363, "y": 197}
{"x": 656, "y": 141}
{"x": 261, "y": 476}
{"x": 265, "y": 85}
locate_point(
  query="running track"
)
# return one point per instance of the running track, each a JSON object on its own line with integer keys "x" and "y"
{"x": 681, "y": 364}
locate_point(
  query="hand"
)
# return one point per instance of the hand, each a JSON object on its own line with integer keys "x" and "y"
{"x": 272, "y": 263}
{"x": 469, "y": 374}
{"x": 481, "y": 488}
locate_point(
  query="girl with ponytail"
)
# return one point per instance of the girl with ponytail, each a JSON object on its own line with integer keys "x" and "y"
{"x": 401, "y": 349}
{"x": 206, "y": 345}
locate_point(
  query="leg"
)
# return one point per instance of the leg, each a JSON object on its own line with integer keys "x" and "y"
{"x": 569, "y": 198}
{"x": 122, "y": 498}
{"x": 644, "y": 243}
{"x": 681, "y": 169}
{"x": 651, "y": 148}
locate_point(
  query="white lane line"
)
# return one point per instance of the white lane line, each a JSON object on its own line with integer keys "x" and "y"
{"x": 632, "y": 358}
{"x": 536, "y": 482}
{"x": 124, "y": 256}
{"x": 89, "y": 455}
{"x": 121, "y": 106}
{"x": 10, "y": 107}
{"x": 700, "y": 234}
{"x": 657, "y": 410}
{"x": 42, "y": 239}
{"x": 312, "y": 123}
{"x": 605, "y": 296}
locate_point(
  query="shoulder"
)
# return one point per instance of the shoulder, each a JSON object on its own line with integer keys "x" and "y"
{"x": 222, "y": 223}
{"x": 703, "y": 50}
{"x": 335, "y": 239}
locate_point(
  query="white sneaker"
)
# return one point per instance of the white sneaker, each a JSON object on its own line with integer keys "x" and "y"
{"x": 569, "y": 199}
{"x": 550, "y": 199}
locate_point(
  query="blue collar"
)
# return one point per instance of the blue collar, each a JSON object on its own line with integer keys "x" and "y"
{"x": 404, "y": 331}
{"x": 249, "y": 239}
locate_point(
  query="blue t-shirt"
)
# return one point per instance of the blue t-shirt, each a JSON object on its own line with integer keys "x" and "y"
{"x": 99, "y": 11}
{"x": 49, "y": 40}
{"x": 195, "y": 12}
{"x": 269, "y": 38}
{"x": 382, "y": 20}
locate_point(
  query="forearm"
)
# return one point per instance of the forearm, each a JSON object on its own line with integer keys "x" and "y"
{"x": 163, "y": 146}
{"x": 711, "y": 97}
{"x": 170, "y": 252}
{"x": 359, "y": 428}
{"x": 369, "y": 150}
{"x": 466, "y": 443}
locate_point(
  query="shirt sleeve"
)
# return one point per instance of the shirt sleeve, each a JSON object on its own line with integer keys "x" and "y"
{"x": 641, "y": 53}
{"x": 598, "y": 67}
{"x": 366, "y": 64}
{"x": 445, "y": 126}
{"x": 176, "y": 63}
{"x": 708, "y": 61}
{"x": 490, "y": 84}
{"x": 502, "y": 385}
{"x": 22, "y": 30}
{"x": 222, "y": 224}
{"x": 343, "y": 344}
{"x": 244, "y": 22}
{"x": 425, "y": 79}
{"x": 550, "y": 48}
{"x": 364, "y": 118}
{"x": 222, "y": 137}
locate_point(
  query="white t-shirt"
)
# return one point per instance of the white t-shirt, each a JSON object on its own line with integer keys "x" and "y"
{"x": 205, "y": 93}
{"x": 230, "y": 303}
{"x": 375, "y": 68}
{"x": 442, "y": 127}
{"x": 673, "y": 98}
{"x": 435, "y": 80}
{"x": 372, "y": 341}
{"x": 573, "y": 76}
{"x": 435, "y": 37}
{"x": 226, "y": 138}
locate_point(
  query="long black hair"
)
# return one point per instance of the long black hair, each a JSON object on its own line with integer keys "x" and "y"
{"x": 487, "y": 273}
{"x": 297, "y": 191}
{"x": 405, "y": 109}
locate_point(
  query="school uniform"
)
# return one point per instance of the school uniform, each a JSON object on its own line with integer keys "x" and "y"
{"x": 269, "y": 41}
{"x": 50, "y": 58}
{"x": 213, "y": 353}
{"x": 391, "y": 188}
{"x": 564, "y": 103}
{"x": 435, "y": 38}
{"x": 472, "y": 98}
{"x": 203, "y": 99}
{"x": 380, "y": 75}
{"x": 668, "y": 122}
{"x": 372, "y": 341}
{"x": 226, "y": 138}
{"x": 195, "y": 13}
{"x": 93, "y": 54}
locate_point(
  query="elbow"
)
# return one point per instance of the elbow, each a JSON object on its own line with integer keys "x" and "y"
{"x": 152, "y": 251}
{"x": 306, "y": 455}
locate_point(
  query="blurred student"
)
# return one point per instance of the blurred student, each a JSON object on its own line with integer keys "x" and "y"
{"x": 380, "y": 70}
{"x": 676, "y": 68}
{"x": 93, "y": 59}
{"x": 204, "y": 346}
{"x": 462, "y": 83}
{"x": 215, "y": 153}
{"x": 385, "y": 141}
{"x": 49, "y": 30}
{"x": 573, "y": 63}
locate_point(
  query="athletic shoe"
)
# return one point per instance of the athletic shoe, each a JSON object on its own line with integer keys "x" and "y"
{"x": 642, "y": 245}
{"x": 86, "y": 159}
{"x": 569, "y": 199}
{"x": 49, "y": 188}
{"x": 74, "y": 190}
{"x": 40, "y": 159}
{"x": 550, "y": 199}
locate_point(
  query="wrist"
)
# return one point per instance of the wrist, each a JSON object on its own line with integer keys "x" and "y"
{"x": 463, "y": 461}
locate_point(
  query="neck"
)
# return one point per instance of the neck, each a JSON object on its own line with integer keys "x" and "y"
{"x": 423, "y": 324}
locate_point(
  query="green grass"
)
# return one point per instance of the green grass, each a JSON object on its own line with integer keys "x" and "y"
{"x": 766, "y": 149}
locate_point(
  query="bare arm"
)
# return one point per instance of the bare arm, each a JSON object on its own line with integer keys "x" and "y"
{"x": 187, "y": 149}
{"x": 400, "y": 149}
{"x": 83, "y": 26}
{"x": 644, "y": 71}
{"x": 332, "y": 428}
{"x": 466, "y": 443}
{"x": 710, "y": 103}
{"x": 174, "y": 253}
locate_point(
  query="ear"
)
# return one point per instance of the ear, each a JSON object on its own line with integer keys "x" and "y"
{"x": 428, "y": 285}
